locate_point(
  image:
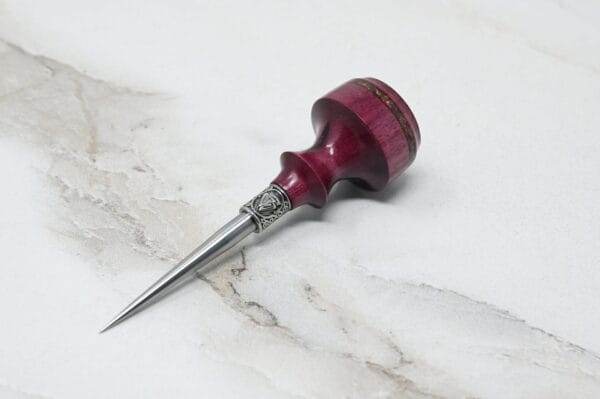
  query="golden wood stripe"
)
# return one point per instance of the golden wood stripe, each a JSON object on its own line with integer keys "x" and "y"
{"x": 391, "y": 105}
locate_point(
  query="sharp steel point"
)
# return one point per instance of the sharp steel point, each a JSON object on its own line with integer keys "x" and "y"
{"x": 225, "y": 238}
{"x": 366, "y": 133}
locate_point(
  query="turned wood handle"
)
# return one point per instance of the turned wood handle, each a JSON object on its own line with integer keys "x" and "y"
{"x": 366, "y": 133}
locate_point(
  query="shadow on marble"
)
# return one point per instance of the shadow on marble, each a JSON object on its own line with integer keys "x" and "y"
{"x": 344, "y": 192}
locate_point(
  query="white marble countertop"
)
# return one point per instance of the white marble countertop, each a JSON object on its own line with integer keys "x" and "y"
{"x": 129, "y": 131}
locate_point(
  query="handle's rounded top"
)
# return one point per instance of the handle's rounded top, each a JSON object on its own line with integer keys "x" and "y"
{"x": 384, "y": 115}
{"x": 365, "y": 133}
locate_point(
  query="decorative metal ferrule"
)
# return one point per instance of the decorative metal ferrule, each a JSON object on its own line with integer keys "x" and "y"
{"x": 268, "y": 206}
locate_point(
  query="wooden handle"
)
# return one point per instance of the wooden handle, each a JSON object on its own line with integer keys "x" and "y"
{"x": 366, "y": 133}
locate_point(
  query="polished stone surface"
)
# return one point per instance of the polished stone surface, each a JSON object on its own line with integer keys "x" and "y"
{"x": 475, "y": 275}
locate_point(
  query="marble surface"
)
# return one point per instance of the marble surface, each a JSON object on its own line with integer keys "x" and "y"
{"x": 131, "y": 130}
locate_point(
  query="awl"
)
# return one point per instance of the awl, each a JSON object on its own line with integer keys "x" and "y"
{"x": 366, "y": 133}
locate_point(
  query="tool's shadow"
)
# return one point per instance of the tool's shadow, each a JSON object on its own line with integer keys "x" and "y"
{"x": 343, "y": 191}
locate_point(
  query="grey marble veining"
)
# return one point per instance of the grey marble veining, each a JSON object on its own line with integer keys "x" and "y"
{"x": 111, "y": 197}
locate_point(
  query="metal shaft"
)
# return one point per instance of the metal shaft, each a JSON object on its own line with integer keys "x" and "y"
{"x": 255, "y": 216}
{"x": 224, "y": 239}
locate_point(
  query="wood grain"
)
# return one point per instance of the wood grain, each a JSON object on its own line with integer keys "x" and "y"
{"x": 366, "y": 133}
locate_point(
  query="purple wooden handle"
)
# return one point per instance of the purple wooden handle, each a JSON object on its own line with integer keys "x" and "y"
{"x": 365, "y": 133}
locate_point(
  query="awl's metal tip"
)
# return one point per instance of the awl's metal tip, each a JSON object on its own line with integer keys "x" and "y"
{"x": 229, "y": 235}
{"x": 111, "y": 324}
{"x": 125, "y": 313}
{"x": 139, "y": 302}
